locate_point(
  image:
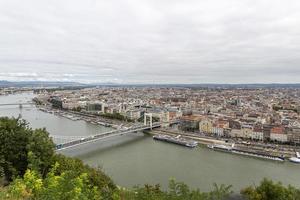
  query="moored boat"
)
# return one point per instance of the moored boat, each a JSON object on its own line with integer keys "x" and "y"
{"x": 295, "y": 159}
{"x": 232, "y": 149}
{"x": 221, "y": 147}
{"x": 258, "y": 155}
{"x": 176, "y": 140}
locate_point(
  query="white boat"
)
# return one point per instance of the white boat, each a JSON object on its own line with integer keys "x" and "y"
{"x": 295, "y": 159}
{"x": 257, "y": 155}
{"x": 232, "y": 149}
{"x": 176, "y": 140}
{"x": 221, "y": 147}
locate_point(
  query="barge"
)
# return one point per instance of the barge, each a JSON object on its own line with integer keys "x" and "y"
{"x": 176, "y": 140}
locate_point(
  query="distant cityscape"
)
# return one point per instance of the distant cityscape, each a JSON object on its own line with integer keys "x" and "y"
{"x": 259, "y": 116}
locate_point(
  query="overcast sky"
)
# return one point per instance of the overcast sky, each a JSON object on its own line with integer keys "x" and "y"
{"x": 150, "y": 41}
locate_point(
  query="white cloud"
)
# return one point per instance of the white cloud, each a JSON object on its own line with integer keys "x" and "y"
{"x": 172, "y": 41}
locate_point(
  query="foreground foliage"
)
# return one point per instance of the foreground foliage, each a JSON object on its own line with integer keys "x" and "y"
{"x": 268, "y": 190}
{"x": 176, "y": 191}
{"x": 27, "y": 156}
{"x": 31, "y": 170}
{"x": 21, "y": 146}
{"x": 68, "y": 187}
{"x": 64, "y": 186}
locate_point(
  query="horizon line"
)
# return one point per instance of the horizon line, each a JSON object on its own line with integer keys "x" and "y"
{"x": 116, "y": 83}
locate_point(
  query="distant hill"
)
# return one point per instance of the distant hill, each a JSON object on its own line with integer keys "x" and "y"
{"x": 205, "y": 85}
{"x": 4, "y": 83}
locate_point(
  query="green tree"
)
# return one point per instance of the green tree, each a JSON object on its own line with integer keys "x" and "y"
{"x": 40, "y": 147}
{"x": 17, "y": 140}
{"x": 268, "y": 190}
{"x": 176, "y": 191}
{"x": 53, "y": 187}
{"x": 95, "y": 176}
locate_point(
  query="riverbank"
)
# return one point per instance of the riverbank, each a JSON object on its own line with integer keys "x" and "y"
{"x": 90, "y": 118}
{"x": 201, "y": 140}
{"x": 248, "y": 150}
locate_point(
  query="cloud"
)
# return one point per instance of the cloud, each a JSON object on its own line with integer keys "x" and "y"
{"x": 138, "y": 41}
{"x": 19, "y": 75}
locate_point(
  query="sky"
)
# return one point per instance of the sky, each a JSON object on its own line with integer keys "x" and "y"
{"x": 150, "y": 41}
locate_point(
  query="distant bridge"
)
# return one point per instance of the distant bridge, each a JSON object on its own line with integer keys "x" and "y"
{"x": 65, "y": 142}
{"x": 16, "y": 104}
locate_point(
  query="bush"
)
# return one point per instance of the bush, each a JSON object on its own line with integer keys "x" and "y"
{"x": 268, "y": 190}
{"x": 95, "y": 176}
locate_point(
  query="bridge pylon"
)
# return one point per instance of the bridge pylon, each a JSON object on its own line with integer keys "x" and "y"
{"x": 148, "y": 115}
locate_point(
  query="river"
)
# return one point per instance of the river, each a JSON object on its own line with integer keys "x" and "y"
{"x": 137, "y": 159}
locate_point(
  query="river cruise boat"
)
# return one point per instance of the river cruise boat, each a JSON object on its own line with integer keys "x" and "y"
{"x": 258, "y": 155}
{"x": 221, "y": 147}
{"x": 232, "y": 149}
{"x": 176, "y": 140}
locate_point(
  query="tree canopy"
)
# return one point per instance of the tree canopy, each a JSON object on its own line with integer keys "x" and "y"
{"x": 26, "y": 153}
{"x": 269, "y": 190}
{"x": 20, "y": 144}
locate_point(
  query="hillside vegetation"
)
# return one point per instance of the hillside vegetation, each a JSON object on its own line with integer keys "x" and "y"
{"x": 31, "y": 170}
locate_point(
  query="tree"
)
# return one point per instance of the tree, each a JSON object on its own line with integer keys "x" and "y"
{"x": 53, "y": 187}
{"x": 17, "y": 141}
{"x": 269, "y": 190}
{"x": 77, "y": 109}
{"x": 176, "y": 191}
{"x": 41, "y": 147}
{"x": 95, "y": 177}
{"x": 22, "y": 148}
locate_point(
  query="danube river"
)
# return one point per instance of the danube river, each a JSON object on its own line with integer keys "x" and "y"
{"x": 137, "y": 159}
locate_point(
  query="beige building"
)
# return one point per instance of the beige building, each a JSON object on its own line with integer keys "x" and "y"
{"x": 279, "y": 137}
{"x": 206, "y": 126}
{"x": 246, "y": 131}
{"x": 235, "y": 133}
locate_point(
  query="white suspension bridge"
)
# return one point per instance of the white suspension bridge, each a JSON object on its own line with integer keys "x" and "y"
{"x": 66, "y": 142}
{"x": 16, "y": 104}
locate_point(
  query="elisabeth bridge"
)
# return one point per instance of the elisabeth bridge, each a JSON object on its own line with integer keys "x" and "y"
{"x": 66, "y": 142}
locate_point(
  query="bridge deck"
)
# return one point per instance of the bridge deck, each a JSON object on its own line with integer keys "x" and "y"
{"x": 15, "y": 104}
{"x": 102, "y": 136}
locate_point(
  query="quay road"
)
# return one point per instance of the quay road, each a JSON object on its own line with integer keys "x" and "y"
{"x": 101, "y": 136}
